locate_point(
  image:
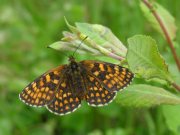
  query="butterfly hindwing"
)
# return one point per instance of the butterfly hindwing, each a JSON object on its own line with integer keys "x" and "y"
{"x": 97, "y": 95}
{"x": 65, "y": 101}
{"x": 42, "y": 90}
{"x": 113, "y": 77}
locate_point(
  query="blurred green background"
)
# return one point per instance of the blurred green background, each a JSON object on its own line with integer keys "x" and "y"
{"x": 28, "y": 26}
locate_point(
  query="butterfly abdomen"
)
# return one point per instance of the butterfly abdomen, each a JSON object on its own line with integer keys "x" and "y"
{"x": 75, "y": 78}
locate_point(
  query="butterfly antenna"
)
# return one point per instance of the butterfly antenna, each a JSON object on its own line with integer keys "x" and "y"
{"x": 79, "y": 45}
{"x": 61, "y": 52}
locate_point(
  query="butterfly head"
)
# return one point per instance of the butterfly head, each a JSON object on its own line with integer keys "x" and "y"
{"x": 71, "y": 58}
{"x": 73, "y": 64}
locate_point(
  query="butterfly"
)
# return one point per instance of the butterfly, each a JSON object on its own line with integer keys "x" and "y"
{"x": 62, "y": 89}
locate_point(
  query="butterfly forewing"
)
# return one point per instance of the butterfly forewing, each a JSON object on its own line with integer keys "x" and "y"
{"x": 42, "y": 90}
{"x": 112, "y": 77}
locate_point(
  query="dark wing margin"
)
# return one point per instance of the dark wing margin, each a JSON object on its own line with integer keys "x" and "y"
{"x": 113, "y": 77}
{"x": 42, "y": 90}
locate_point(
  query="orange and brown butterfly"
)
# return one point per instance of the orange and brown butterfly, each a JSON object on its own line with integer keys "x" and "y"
{"x": 62, "y": 89}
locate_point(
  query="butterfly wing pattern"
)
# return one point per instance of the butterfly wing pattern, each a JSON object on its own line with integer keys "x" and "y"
{"x": 97, "y": 95}
{"x": 113, "y": 77}
{"x": 65, "y": 101}
{"x": 62, "y": 89}
{"x": 42, "y": 90}
{"x": 104, "y": 80}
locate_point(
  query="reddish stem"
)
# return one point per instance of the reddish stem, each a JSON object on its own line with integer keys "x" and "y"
{"x": 170, "y": 43}
{"x": 176, "y": 86}
{"x": 112, "y": 55}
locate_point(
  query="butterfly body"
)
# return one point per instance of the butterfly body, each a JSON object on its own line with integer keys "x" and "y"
{"x": 63, "y": 88}
{"x": 74, "y": 76}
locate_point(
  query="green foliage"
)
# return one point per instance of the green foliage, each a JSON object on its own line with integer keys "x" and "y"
{"x": 103, "y": 36}
{"x": 167, "y": 19}
{"x": 97, "y": 40}
{"x": 141, "y": 95}
{"x": 172, "y": 118}
{"x": 144, "y": 59}
{"x": 27, "y": 27}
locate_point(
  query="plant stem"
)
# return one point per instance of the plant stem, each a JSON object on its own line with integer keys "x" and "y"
{"x": 114, "y": 56}
{"x": 176, "y": 86}
{"x": 170, "y": 42}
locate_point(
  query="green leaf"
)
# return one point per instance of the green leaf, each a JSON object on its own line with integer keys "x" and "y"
{"x": 68, "y": 46}
{"x": 166, "y": 18}
{"x": 172, "y": 117}
{"x": 144, "y": 59}
{"x": 142, "y": 95}
{"x": 103, "y": 36}
{"x": 94, "y": 39}
{"x": 72, "y": 28}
